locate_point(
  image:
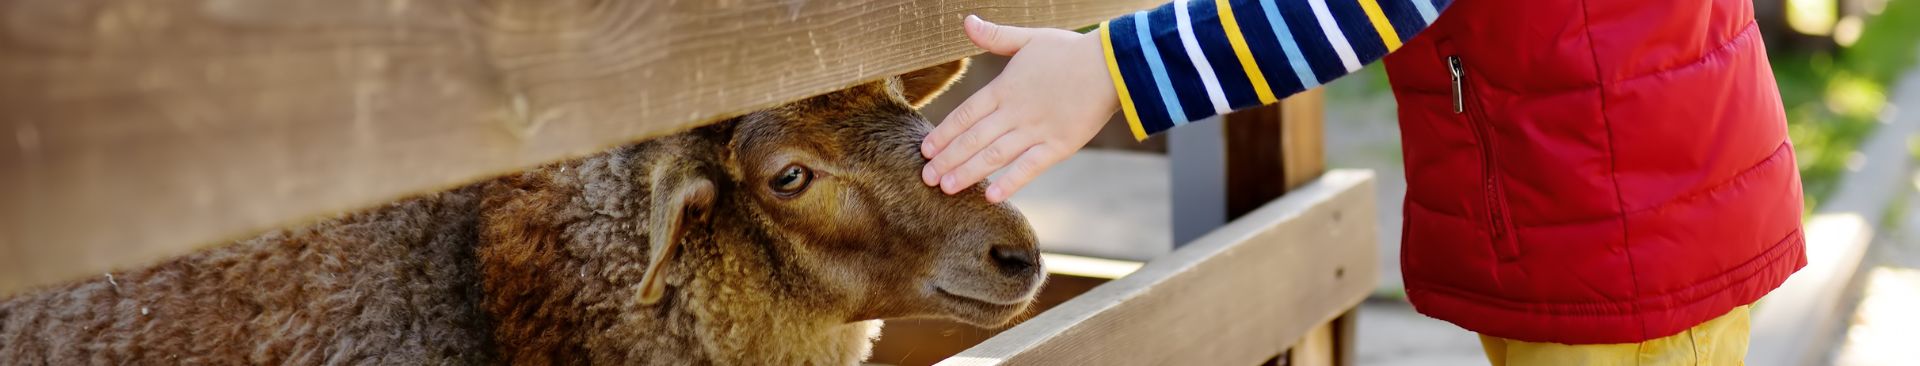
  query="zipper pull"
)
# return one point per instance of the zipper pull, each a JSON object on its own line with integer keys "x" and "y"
{"x": 1453, "y": 66}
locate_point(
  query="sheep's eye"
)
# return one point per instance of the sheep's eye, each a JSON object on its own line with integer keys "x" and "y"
{"x": 791, "y": 180}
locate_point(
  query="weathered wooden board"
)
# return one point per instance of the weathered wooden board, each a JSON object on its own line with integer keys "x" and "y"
{"x": 1275, "y": 143}
{"x": 1346, "y": 338}
{"x": 1237, "y": 296}
{"x": 1305, "y": 136}
{"x": 1317, "y": 348}
{"x": 142, "y": 129}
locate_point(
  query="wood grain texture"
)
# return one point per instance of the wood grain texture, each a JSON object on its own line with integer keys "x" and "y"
{"x": 1346, "y": 338}
{"x": 1255, "y": 158}
{"x": 1237, "y": 296}
{"x": 1316, "y": 348}
{"x": 1304, "y": 136}
{"x": 1273, "y": 148}
{"x": 143, "y": 129}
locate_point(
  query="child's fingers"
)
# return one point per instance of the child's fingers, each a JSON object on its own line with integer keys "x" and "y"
{"x": 970, "y": 111}
{"x": 965, "y": 146}
{"x": 994, "y": 157}
{"x": 1029, "y": 166}
{"x": 998, "y": 39}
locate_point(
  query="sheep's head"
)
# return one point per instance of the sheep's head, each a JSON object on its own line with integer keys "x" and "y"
{"x": 832, "y": 184}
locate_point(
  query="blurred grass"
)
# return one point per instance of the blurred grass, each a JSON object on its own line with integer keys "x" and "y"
{"x": 1834, "y": 98}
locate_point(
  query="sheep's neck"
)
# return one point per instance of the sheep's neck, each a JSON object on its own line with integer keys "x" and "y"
{"x": 558, "y": 291}
{"x": 738, "y": 323}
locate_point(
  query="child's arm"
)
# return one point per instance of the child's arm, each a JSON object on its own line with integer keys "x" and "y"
{"x": 1184, "y": 61}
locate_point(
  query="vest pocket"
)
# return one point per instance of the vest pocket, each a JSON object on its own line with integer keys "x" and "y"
{"x": 1498, "y": 224}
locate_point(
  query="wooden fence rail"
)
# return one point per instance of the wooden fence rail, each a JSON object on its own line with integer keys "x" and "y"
{"x": 144, "y": 129}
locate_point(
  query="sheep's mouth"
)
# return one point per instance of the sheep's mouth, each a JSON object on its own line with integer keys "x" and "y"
{"x": 982, "y": 312}
{"x": 1014, "y": 302}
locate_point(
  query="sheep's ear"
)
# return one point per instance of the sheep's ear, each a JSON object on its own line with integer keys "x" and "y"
{"x": 681, "y": 200}
{"x": 921, "y": 86}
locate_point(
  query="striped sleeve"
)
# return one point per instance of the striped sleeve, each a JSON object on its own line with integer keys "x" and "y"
{"x": 1193, "y": 59}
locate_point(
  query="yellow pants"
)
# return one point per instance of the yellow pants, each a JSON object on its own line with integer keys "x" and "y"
{"x": 1720, "y": 341}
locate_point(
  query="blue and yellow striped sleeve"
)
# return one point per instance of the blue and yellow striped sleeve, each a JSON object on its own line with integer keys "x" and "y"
{"x": 1193, "y": 59}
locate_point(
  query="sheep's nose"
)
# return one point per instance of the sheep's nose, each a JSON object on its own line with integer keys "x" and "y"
{"x": 1015, "y": 261}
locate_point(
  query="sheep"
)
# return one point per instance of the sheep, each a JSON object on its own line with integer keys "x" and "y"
{"x": 778, "y": 237}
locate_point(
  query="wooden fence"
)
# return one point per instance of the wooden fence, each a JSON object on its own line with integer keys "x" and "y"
{"x": 142, "y": 130}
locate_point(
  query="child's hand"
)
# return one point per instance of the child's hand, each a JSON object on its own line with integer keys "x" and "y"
{"x": 1051, "y": 99}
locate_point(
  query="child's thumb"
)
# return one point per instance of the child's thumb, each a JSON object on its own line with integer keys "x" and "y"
{"x": 999, "y": 39}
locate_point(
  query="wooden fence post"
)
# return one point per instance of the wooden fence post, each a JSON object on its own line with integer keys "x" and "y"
{"x": 1270, "y": 150}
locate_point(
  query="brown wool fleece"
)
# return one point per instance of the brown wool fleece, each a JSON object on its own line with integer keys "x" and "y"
{"x": 534, "y": 268}
{"x": 396, "y": 285}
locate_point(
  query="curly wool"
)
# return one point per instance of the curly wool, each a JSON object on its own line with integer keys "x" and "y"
{"x": 538, "y": 267}
{"x": 391, "y": 286}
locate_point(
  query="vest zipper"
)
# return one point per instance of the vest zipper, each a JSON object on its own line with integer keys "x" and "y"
{"x": 1459, "y": 98}
{"x": 1495, "y": 203}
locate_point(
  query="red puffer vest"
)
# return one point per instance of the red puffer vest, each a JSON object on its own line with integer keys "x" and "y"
{"x": 1589, "y": 172}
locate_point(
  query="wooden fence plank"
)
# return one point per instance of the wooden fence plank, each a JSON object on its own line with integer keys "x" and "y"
{"x": 1255, "y": 158}
{"x": 1280, "y": 142}
{"x": 1345, "y": 338}
{"x": 1316, "y": 348}
{"x": 1234, "y": 297}
{"x": 144, "y": 129}
{"x": 1303, "y": 138}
